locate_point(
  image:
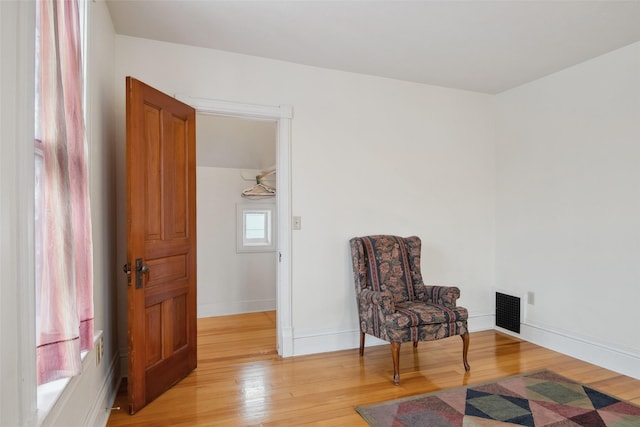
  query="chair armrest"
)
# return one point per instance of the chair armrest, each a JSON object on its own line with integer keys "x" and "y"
{"x": 382, "y": 300}
{"x": 436, "y": 294}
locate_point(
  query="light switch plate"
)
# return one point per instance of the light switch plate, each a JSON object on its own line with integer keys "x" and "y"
{"x": 297, "y": 223}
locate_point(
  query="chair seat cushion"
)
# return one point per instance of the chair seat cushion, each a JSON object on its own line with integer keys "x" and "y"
{"x": 415, "y": 313}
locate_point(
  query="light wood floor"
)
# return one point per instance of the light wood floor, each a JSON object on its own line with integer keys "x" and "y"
{"x": 240, "y": 380}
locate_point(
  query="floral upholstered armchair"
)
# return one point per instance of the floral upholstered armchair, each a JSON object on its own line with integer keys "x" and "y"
{"x": 393, "y": 302}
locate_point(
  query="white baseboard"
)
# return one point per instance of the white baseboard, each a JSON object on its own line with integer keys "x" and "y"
{"x": 607, "y": 356}
{"x": 481, "y": 322}
{"x": 101, "y": 409}
{"x": 321, "y": 341}
{"x": 236, "y": 307}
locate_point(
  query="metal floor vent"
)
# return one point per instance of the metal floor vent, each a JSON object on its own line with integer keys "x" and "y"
{"x": 508, "y": 312}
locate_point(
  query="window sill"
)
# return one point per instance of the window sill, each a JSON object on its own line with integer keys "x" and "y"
{"x": 48, "y": 394}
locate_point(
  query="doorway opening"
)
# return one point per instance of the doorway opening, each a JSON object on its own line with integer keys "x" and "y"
{"x": 236, "y": 243}
{"x": 280, "y": 116}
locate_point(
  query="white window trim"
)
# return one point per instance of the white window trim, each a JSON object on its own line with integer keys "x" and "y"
{"x": 17, "y": 305}
{"x": 245, "y": 245}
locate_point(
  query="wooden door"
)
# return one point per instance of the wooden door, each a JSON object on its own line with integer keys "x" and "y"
{"x": 161, "y": 242}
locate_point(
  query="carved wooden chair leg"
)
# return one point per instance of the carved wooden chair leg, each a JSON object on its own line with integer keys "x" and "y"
{"x": 415, "y": 344}
{"x": 395, "y": 354}
{"x": 361, "y": 343}
{"x": 465, "y": 349}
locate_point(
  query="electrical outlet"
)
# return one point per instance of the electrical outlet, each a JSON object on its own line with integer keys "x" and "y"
{"x": 531, "y": 296}
{"x": 99, "y": 349}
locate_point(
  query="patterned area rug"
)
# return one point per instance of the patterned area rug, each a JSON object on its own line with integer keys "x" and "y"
{"x": 541, "y": 398}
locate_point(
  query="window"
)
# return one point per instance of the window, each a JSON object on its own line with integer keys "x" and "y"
{"x": 62, "y": 229}
{"x": 255, "y": 228}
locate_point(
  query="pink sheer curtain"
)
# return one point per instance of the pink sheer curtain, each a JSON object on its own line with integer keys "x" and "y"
{"x": 65, "y": 289}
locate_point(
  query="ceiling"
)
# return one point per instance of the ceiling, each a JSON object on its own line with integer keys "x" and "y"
{"x": 483, "y": 46}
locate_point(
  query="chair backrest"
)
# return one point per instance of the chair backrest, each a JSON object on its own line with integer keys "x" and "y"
{"x": 384, "y": 262}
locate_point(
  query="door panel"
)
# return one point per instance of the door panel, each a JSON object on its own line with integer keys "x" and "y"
{"x": 171, "y": 268}
{"x": 161, "y": 233}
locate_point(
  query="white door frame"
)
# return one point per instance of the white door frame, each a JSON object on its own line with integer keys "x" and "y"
{"x": 282, "y": 115}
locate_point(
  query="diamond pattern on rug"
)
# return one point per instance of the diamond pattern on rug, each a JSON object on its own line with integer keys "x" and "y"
{"x": 501, "y": 408}
{"x": 541, "y": 398}
{"x": 556, "y": 392}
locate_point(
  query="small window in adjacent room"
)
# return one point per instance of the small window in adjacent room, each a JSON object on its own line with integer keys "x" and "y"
{"x": 255, "y": 228}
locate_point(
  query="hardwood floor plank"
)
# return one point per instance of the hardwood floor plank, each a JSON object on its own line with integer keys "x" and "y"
{"x": 240, "y": 380}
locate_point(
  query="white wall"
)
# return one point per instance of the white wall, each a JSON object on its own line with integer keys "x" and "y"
{"x": 84, "y": 400}
{"x": 568, "y": 207}
{"x": 229, "y": 282}
{"x": 369, "y": 155}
